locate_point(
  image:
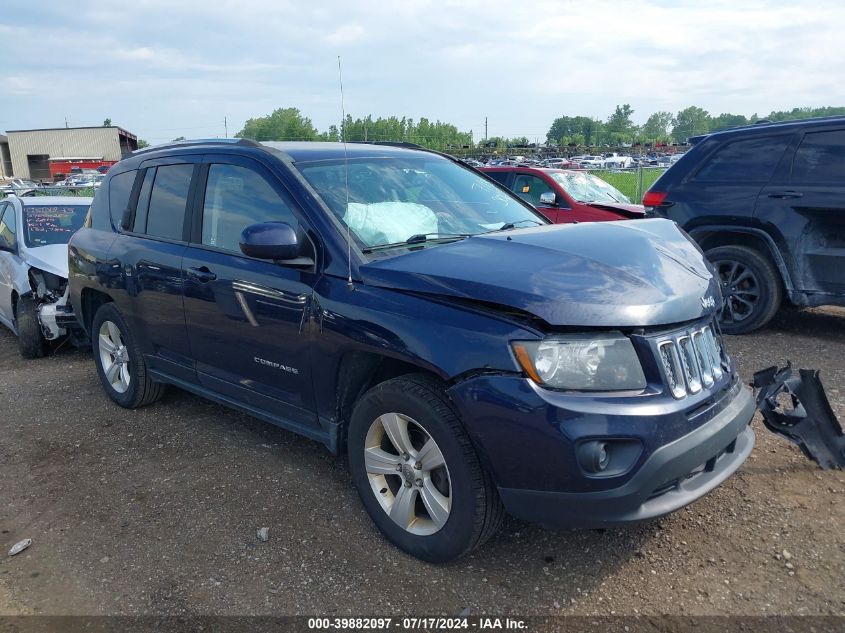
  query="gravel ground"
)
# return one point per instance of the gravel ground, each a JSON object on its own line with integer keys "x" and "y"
{"x": 155, "y": 511}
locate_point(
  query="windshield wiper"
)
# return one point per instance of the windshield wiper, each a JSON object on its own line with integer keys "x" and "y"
{"x": 507, "y": 226}
{"x": 419, "y": 239}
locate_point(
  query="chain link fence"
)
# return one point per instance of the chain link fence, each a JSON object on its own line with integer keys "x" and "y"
{"x": 633, "y": 182}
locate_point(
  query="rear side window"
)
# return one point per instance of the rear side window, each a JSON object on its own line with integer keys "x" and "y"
{"x": 120, "y": 190}
{"x": 168, "y": 201}
{"x": 751, "y": 160}
{"x": 8, "y": 224}
{"x": 820, "y": 158}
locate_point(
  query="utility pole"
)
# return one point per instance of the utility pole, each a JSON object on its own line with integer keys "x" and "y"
{"x": 485, "y": 129}
{"x": 65, "y": 122}
{"x": 226, "y": 126}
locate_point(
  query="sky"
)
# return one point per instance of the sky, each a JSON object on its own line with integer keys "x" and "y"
{"x": 163, "y": 69}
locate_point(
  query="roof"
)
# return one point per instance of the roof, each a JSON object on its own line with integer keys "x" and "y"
{"x": 302, "y": 151}
{"x": 67, "y": 129}
{"x": 764, "y": 127}
{"x": 295, "y": 150}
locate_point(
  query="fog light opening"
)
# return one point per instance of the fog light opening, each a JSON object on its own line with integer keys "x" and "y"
{"x": 602, "y": 456}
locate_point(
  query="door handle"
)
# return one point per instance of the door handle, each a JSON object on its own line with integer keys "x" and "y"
{"x": 202, "y": 274}
{"x": 786, "y": 195}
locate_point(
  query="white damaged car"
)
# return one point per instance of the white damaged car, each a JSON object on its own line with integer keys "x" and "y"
{"x": 34, "y": 232}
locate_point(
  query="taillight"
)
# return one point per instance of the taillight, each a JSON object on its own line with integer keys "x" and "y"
{"x": 654, "y": 198}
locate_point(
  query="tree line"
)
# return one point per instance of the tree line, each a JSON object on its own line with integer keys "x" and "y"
{"x": 662, "y": 127}
{"x": 289, "y": 124}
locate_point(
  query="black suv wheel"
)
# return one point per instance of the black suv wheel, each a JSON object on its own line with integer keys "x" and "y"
{"x": 751, "y": 288}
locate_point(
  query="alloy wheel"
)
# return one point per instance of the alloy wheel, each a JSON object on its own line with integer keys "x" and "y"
{"x": 740, "y": 290}
{"x": 114, "y": 357}
{"x": 408, "y": 474}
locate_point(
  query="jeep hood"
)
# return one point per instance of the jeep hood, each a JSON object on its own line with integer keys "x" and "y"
{"x": 608, "y": 274}
{"x": 52, "y": 258}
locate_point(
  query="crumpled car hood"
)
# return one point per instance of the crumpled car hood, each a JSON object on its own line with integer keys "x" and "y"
{"x": 631, "y": 210}
{"x": 618, "y": 274}
{"x": 52, "y": 258}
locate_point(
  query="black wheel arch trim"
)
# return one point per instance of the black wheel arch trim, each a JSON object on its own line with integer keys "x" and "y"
{"x": 774, "y": 252}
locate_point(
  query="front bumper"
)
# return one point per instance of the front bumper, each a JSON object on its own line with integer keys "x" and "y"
{"x": 675, "y": 467}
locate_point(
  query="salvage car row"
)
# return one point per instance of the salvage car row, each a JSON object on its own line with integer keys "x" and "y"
{"x": 469, "y": 356}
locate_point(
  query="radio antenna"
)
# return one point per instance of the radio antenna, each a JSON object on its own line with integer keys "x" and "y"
{"x": 346, "y": 177}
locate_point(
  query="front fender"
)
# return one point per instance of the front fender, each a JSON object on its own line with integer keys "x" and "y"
{"x": 448, "y": 340}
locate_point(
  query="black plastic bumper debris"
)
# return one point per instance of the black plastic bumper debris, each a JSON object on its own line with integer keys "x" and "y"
{"x": 796, "y": 407}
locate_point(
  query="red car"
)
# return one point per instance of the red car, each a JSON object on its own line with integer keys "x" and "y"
{"x": 567, "y": 196}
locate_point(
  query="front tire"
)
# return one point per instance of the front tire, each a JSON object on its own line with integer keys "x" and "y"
{"x": 417, "y": 473}
{"x": 31, "y": 341}
{"x": 751, "y": 288}
{"x": 120, "y": 363}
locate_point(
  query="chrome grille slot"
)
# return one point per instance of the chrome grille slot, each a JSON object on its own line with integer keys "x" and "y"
{"x": 692, "y": 361}
{"x": 715, "y": 353}
{"x": 690, "y": 364}
{"x": 702, "y": 355}
{"x": 672, "y": 369}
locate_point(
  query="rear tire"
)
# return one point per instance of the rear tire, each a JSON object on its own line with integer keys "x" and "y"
{"x": 751, "y": 288}
{"x": 453, "y": 506}
{"x": 120, "y": 363}
{"x": 31, "y": 341}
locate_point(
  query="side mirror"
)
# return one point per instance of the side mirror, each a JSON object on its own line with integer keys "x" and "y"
{"x": 273, "y": 240}
{"x": 548, "y": 198}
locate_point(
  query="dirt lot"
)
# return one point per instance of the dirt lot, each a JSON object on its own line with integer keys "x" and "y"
{"x": 155, "y": 511}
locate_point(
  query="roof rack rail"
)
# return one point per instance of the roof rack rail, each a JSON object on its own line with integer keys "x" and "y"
{"x": 199, "y": 141}
{"x": 392, "y": 144}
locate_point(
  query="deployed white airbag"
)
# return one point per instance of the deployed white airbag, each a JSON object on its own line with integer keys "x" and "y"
{"x": 388, "y": 222}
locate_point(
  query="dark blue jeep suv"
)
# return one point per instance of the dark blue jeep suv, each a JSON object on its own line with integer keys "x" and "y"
{"x": 468, "y": 357}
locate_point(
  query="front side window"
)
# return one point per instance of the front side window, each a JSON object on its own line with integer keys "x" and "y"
{"x": 168, "y": 201}
{"x": 51, "y": 224}
{"x": 235, "y": 198}
{"x": 392, "y": 199}
{"x": 751, "y": 160}
{"x": 8, "y": 235}
{"x": 529, "y": 188}
{"x": 820, "y": 158}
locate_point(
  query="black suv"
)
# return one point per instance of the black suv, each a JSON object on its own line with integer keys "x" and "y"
{"x": 767, "y": 205}
{"x": 467, "y": 356}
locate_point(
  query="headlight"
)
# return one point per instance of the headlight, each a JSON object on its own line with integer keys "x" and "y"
{"x": 582, "y": 362}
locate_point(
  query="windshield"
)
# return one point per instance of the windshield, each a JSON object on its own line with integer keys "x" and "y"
{"x": 44, "y": 225}
{"x": 397, "y": 198}
{"x": 588, "y": 188}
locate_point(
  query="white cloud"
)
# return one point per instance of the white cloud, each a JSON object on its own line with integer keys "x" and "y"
{"x": 345, "y": 34}
{"x": 155, "y": 65}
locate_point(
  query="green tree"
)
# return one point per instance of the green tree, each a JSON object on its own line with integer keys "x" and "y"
{"x": 619, "y": 126}
{"x": 284, "y": 124}
{"x": 656, "y": 127}
{"x": 107, "y": 123}
{"x": 142, "y": 143}
{"x": 568, "y": 127}
{"x": 691, "y": 121}
{"x": 725, "y": 121}
{"x": 805, "y": 113}
{"x": 177, "y": 139}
